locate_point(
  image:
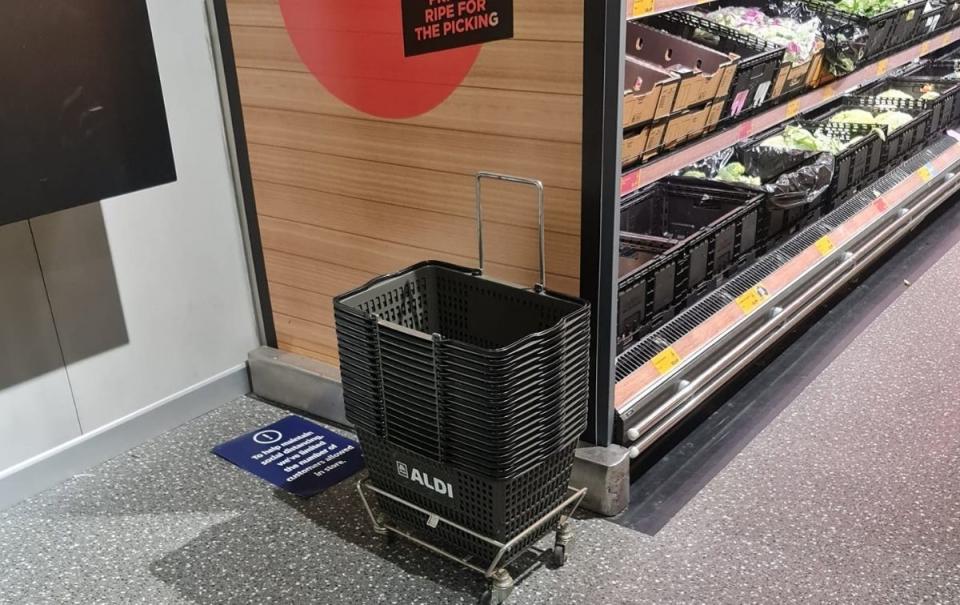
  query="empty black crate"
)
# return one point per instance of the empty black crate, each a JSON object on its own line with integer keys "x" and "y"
{"x": 677, "y": 241}
{"x": 759, "y": 64}
{"x": 885, "y": 31}
{"x": 941, "y": 108}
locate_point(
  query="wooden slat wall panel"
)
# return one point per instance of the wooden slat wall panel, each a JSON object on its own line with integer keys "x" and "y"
{"x": 535, "y": 19}
{"x": 524, "y": 65}
{"x": 380, "y": 257}
{"x": 411, "y": 187}
{"x": 344, "y": 196}
{"x": 433, "y": 149}
{"x": 516, "y": 246}
{"x": 491, "y": 111}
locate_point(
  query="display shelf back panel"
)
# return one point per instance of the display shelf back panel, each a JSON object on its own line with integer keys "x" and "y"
{"x": 345, "y": 195}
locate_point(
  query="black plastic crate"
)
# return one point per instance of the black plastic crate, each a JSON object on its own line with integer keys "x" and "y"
{"x": 792, "y": 180}
{"x": 681, "y": 236}
{"x": 791, "y": 79}
{"x": 780, "y": 225}
{"x": 950, "y": 15}
{"x": 885, "y": 31}
{"x": 941, "y": 109}
{"x": 498, "y": 509}
{"x": 760, "y": 61}
{"x": 856, "y": 165}
{"x": 942, "y": 73}
{"x": 896, "y": 145}
{"x": 932, "y": 19}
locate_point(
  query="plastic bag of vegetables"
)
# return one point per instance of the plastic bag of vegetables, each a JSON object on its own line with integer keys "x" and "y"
{"x": 790, "y": 178}
{"x": 800, "y": 38}
{"x": 844, "y": 41}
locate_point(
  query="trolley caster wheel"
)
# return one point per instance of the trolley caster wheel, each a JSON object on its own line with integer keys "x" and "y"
{"x": 381, "y": 530}
{"x": 559, "y": 556}
{"x": 563, "y": 537}
{"x": 501, "y": 585}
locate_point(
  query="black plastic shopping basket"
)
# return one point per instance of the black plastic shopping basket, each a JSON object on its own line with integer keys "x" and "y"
{"x": 468, "y": 393}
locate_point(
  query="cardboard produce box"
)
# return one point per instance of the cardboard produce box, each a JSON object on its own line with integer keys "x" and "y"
{"x": 704, "y": 74}
{"x": 692, "y": 123}
{"x": 649, "y": 92}
{"x": 634, "y": 146}
{"x": 793, "y": 78}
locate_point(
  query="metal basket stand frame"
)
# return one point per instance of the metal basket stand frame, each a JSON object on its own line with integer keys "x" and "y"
{"x": 500, "y": 582}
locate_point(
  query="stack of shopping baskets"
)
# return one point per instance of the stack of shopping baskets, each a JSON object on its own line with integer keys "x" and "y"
{"x": 468, "y": 396}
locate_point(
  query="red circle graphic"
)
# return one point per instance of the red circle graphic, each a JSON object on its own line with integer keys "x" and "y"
{"x": 355, "y": 49}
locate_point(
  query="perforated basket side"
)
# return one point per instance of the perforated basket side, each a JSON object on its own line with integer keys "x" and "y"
{"x": 498, "y": 509}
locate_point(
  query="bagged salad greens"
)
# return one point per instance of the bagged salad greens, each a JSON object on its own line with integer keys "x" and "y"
{"x": 799, "y": 38}
{"x": 845, "y": 42}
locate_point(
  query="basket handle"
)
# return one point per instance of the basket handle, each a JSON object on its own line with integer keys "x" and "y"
{"x": 538, "y": 185}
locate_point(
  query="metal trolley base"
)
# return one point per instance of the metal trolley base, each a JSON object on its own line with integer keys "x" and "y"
{"x": 500, "y": 582}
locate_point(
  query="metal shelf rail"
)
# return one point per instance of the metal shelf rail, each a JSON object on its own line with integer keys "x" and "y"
{"x": 664, "y": 377}
{"x": 635, "y": 178}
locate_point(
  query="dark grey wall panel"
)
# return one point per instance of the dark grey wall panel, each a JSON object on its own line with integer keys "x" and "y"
{"x": 82, "y": 116}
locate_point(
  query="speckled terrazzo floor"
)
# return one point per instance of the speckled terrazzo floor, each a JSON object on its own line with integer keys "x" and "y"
{"x": 850, "y": 495}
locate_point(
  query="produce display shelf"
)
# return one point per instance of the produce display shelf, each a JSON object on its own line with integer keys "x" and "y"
{"x": 637, "y": 9}
{"x": 742, "y": 319}
{"x": 635, "y": 178}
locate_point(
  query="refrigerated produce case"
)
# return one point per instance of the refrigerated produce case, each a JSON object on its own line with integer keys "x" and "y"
{"x": 650, "y": 378}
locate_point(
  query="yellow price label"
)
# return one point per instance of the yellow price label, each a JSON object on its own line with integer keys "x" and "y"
{"x": 824, "y": 246}
{"x": 925, "y": 48}
{"x": 793, "y": 108}
{"x": 666, "y": 360}
{"x": 944, "y": 39}
{"x": 752, "y": 298}
{"x": 828, "y": 92}
{"x": 882, "y": 65}
{"x": 925, "y": 173}
{"x": 642, "y": 7}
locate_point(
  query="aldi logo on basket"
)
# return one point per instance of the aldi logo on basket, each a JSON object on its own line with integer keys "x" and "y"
{"x": 434, "y": 484}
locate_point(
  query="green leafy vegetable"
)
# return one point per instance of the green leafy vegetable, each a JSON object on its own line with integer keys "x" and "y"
{"x": 776, "y": 141}
{"x": 699, "y": 174}
{"x": 801, "y": 139}
{"x": 853, "y": 116}
{"x": 893, "y": 119}
{"x": 893, "y": 93}
{"x": 735, "y": 172}
{"x": 869, "y": 8}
